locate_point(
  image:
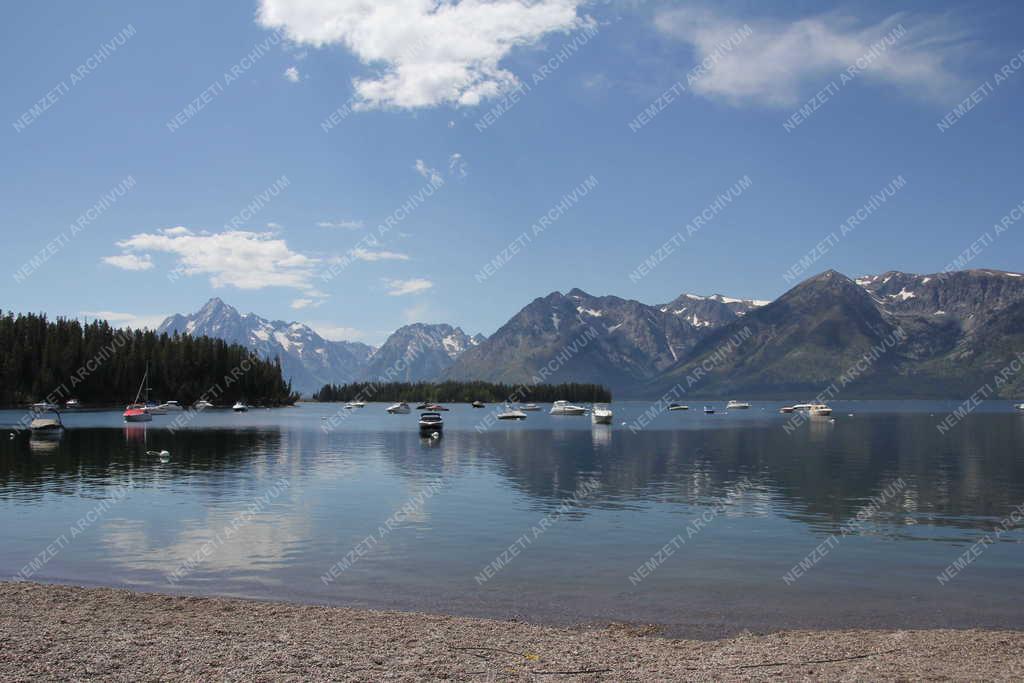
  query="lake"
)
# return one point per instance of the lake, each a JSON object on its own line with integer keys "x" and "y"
{"x": 707, "y": 524}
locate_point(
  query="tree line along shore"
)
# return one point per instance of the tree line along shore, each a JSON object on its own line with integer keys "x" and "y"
{"x": 57, "y": 360}
{"x": 463, "y": 392}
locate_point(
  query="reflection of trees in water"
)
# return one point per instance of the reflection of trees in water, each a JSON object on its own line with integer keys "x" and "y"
{"x": 820, "y": 476}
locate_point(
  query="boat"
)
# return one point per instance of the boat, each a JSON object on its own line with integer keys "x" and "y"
{"x": 72, "y": 404}
{"x": 708, "y": 410}
{"x": 202, "y": 405}
{"x": 819, "y": 410}
{"x": 477, "y": 404}
{"x": 796, "y": 408}
{"x": 47, "y": 425}
{"x": 736, "y": 405}
{"x": 511, "y": 413}
{"x": 401, "y": 408}
{"x": 436, "y": 408}
{"x": 355, "y": 404}
{"x": 678, "y": 406}
{"x": 530, "y": 407}
{"x": 1020, "y": 407}
{"x": 601, "y": 414}
{"x": 423, "y": 406}
{"x": 170, "y": 407}
{"x": 240, "y": 407}
{"x": 566, "y": 408}
{"x": 136, "y": 411}
{"x": 44, "y": 407}
{"x": 431, "y": 422}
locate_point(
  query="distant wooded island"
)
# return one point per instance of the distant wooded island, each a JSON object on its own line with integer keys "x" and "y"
{"x": 463, "y": 392}
{"x": 55, "y": 361}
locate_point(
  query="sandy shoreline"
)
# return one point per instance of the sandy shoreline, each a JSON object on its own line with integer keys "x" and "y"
{"x": 61, "y": 632}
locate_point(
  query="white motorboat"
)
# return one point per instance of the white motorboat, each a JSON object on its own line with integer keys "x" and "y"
{"x": 431, "y": 422}
{"x": 736, "y": 405}
{"x": 401, "y": 408}
{"x": 44, "y": 407}
{"x": 678, "y": 406}
{"x": 819, "y": 410}
{"x": 530, "y": 407}
{"x": 170, "y": 407}
{"x": 796, "y": 408}
{"x": 48, "y": 425}
{"x": 566, "y": 408}
{"x": 355, "y": 404}
{"x": 240, "y": 407}
{"x": 73, "y": 404}
{"x": 202, "y": 404}
{"x": 708, "y": 410}
{"x": 511, "y": 414}
{"x": 601, "y": 414}
{"x": 1020, "y": 407}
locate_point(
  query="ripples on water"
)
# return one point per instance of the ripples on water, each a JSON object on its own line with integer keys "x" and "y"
{"x": 775, "y": 495}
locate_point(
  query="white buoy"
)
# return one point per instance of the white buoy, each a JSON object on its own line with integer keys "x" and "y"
{"x": 435, "y": 435}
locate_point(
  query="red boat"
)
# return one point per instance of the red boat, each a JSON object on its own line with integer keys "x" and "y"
{"x": 136, "y": 412}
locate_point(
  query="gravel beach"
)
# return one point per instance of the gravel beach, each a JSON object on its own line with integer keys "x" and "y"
{"x": 54, "y": 632}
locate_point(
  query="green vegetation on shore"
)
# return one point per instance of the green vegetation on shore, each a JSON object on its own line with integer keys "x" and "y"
{"x": 462, "y": 392}
{"x": 98, "y": 364}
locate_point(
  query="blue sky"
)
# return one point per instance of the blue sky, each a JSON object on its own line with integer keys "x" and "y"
{"x": 209, "y": 126}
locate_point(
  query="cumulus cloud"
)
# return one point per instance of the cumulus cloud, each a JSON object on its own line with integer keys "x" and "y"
{"x": 403, "y": 287}
{"x": 381, "y": 255}
{"x": 348, "y": 225}
{"x": 120, "y": 319}
{"x": 292, "y": 74}
{"x": 306, "y": 303}
{"x": 130, "y": 261}
{"x": 247, "y": 260}
{"x": 781, "y": 63}
{"x": 431, "y": 53}
{"x": 431, "y": 174}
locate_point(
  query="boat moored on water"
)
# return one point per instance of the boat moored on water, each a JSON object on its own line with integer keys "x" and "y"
{"x": 511, "y": 413}
{"x": 44, "y": 406}
{"x": 400, "y": 408}
{"x": 170, "y": 407}
{"x": 566, "y": 408}
{"x": 708, "y": 410}
{"x": 678, "y": 406}
{"x": 601, "y": 414}
{"x": 737, "y": 405}
{"x": 46, "y": 425}
{"x": 240, "y": 407}
{"x": 530, "y": 408}
{"x": 478, "y": 404}
{"x": 795, "y": 408}
{"x": 202, "y": 405}
{"x": 136, "y": 411}
{"x": 431, "y": 422}
{"x": 819, "y": 410}
{"x": 436, "y": 408}
{"x": 355, "y": 404}
{"x": 72, "y": 404}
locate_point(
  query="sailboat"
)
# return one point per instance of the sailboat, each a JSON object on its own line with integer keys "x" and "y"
{"x": 136, "y": 411}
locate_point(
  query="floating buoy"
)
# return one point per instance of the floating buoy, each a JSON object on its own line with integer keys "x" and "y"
{"x": 435, "y": 435}
{"x": 165, "y": 456}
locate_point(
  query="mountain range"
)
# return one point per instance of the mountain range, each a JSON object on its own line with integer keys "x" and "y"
{"x": 890, "y": 335}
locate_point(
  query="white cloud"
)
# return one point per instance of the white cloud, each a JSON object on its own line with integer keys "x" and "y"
{"x": 247, "y": 260}
{"x": 133, "y": 320}
{"x": 306, "y": 303}
{"x": 431, "y": 52}
{"x": 292, "y": 74}
{"x": 783, "y": 63}
{"x": 333, "y": 332}
{"x": 274, "y": 226}
{"x": 348, "y": 225}
{"x": 403, "y": 287}
{"x": 382, "y": 255}
{"x": 427, "y": 172}
{"x": 130, "y": 261}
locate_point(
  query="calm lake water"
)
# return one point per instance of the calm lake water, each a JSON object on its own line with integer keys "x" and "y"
{"x": 563, "y": 513}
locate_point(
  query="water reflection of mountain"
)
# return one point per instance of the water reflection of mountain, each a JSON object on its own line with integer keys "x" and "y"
{"x": 820, "y": 474}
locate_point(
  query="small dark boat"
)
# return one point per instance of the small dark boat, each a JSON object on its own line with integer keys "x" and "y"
{"x": 423, "y": 406}
{"x": 477, "y": 404}
{"x": 708, "y": 410}
{"x": 436, "y": 407}
{"x": 431, "y": 422}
